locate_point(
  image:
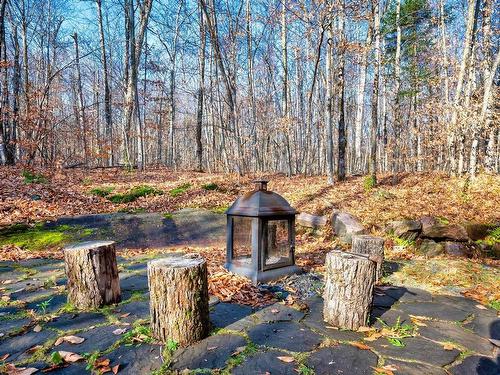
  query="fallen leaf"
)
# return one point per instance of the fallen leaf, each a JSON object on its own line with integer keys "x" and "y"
{"x": 70, "y": 357}
{"x": 386, "y": 370}
{"x": 364, "y": 329}
{"x": 104, "y": 369}
{"x": 13, "y": 370}
{"x": 119, "y": 331}
{"x": 275, "y": 311}
{"x": 238, "y": 350}
{"x": 286, "y": 359}
{"x": 69, "y": 339}
{"x": 115, "y": 370}
{"x": 448, "y": 347}
{"x": 33, "y": 349}
{"x": 102, "y": 362}
{"x": 495, "y": 342}
{"x": 360, "y": 345}
{"x": 212, "y": 347}
{"x": 4, "y": 357}
{"x": 124, "y": 315}
{"x": 37, "y": 328}
{"x": 481, "y": 307}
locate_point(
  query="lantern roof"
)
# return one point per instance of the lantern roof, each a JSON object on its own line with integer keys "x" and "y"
{"x": 261, "y": 202}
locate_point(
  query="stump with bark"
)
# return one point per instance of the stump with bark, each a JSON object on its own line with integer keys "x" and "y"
{"x": 371, "y": 246}
{"x": 92, "y": 274}
{"x": 348, "y": 293}
{"x": 178, "y": 287}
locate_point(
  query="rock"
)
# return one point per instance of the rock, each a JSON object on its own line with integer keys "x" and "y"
{"x": 430, "y": 248}
{"x": 432, "y": 228}
{"x": 477, "y": 231}
{"x": 455, "y": 248}
{"x": 414, "y": 368}
{"x": 434, "y": 310}
{"x": 342, "y": 359}
{"x": 266, "y": 363}
{"x": 310, "y": 221}
{"x": 224, "y": 314}
{"x": 406, "y": 229}
{"x": 346, "y": 225}
{"x": 477, "y": 365}
{"x": 134, "y": 360}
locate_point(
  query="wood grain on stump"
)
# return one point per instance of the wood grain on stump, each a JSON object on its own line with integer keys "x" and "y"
{"x": 92, "y": 274}
{"x": 348, "y": 294}
{"x": 371, "y": 246}
{"x": 178, "y": 288}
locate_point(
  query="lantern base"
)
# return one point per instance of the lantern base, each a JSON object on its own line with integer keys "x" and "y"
{"x": 263, "y": 276}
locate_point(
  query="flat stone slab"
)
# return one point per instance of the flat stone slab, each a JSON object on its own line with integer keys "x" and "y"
{"x": 97, "y": 339}
{"x": 476, "y": 365}
{"x": 266, "y": 363}
{"x": 188, "y": 226}
{"x": 465, "y": 304}
{"x": 484, "y": 326}
{"x": 224, "y": 314}
{"x": 406, "y": 294}
{"x": 414, "y": 368}
{"x": 135, "y": 360}
{"x": 388, "y": 316}
{"x": 285, "y": 335}
{"x": 69, "y": 322}
{"x": 210, "y": 353}
{"x": 278, "y": 312}
{"x": 16, "y": 346}
{"x": 434, "y": 310}
{"x": 134, "y": 282}
{"x": 314, "y": 320}
{"x": 136, "y": 309}
{"x": 417, "y": 349}
{"x": 447, "y": 331}
{"x": 54, "y": 303}
{"x": 75, "y": 368}
{"x": 342, "y": 359}
{"x": 7, "y": 326}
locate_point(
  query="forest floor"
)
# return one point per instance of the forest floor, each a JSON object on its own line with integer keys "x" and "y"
{"x": 29, "y": 198}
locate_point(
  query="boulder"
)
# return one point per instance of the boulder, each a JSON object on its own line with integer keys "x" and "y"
{"x": 477, "y": 231}
{"x": 430, "y": 248}
{"x": 310, "y": 221}
{"x": 432, "y": 228}
{"x": 455, "y": 248}
{"x": 406, "y": 229}
{"x": 346, "y": 225}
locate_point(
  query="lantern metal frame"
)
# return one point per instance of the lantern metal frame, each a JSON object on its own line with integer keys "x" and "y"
{"x": 261, "y": 207}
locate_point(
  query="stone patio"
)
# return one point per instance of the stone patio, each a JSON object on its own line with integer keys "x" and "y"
{"x": 454, "y": 335}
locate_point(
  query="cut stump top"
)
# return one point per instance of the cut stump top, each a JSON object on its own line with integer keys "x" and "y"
{"x": 348, "y": 255}
{"x": 88, "y": 245}
{"x": 178, "y": 261}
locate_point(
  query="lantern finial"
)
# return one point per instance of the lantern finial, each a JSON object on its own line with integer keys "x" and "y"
{"x": 261, "y": 184}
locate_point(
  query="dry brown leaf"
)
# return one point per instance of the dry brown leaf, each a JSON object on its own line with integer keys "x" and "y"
{"x": 286, "y": 359}
{"x": 13, "y": 370}
{"x": 102, "y": 362}
{"x": 115, "y": 369}
{"x": 119, "y": 331}
{"x": 481, "y": 307}
{"x": 124, "y": 315}
{"x": 448, "y": 346}
{"x": 360, "y": 345}
{"x": 70, "y": 357}
{"x": 37, "y": 328}
{"x": 238, "y": 350}
{"x": 386, "y": 370}
{"x": 69, "y": 339}
{"x": 365, "y": 329}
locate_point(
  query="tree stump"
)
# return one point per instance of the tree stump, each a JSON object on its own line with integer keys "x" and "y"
{"x": 178, "y": 287}
{"x": 371, "y": 246}
{"x": 92, "y": 274}
{"x": 348, "y": 293}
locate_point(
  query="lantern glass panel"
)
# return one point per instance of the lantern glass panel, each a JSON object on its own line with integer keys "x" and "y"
{"x": 278, "y": 243}
{"x": 242, "y": 239}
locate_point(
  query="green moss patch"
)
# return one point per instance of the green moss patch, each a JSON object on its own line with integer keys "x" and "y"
{"x": 210, "y": 186}
{"x": 40, "y": 237}
{"x": 179, "y": 190}
{"x": 134, "y": 194}
{"x": 33, "y": 178}
{"x": 103, "y": 191}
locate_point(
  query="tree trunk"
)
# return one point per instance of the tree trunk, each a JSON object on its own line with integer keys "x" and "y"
{"x": 372, "y": 167}
{"x": 371, "y": 246}
{"x": 107, "y": 93}
{"x": 329, "y": 101}
{"x": 81, "y": 101}
{"x": 348, "y": 293}
{"x": 201, "y": 85}
{"x": 178, "y": 287}
{"x": 397, "y": 104}
{"x": 92, "y": 274}
{"x": 341, "y": 165}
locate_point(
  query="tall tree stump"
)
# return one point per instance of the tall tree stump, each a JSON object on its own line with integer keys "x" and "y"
{"x": 178, "y": 287}
{"x": 371, "y": 246}
{"x": 348, "y": 293}
{"x": 92, "y": 274}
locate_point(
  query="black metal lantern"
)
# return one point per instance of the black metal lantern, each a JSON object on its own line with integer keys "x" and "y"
{"x": 261, "y": 235}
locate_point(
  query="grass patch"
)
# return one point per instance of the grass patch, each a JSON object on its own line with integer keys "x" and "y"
{"x": 369, "y": 182}
{"x": 168, "y": 215}
{"x": 210, "y": 186}
{"x": 134, "y": 194}
{"x": 495, "y": 304}
{"x": 33, "y": 178}
{"x": 103, "y": 191}
{"x": 40, "y": 237}
{"x": 220, "y": 209}
{"x": 179, "y": 190}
